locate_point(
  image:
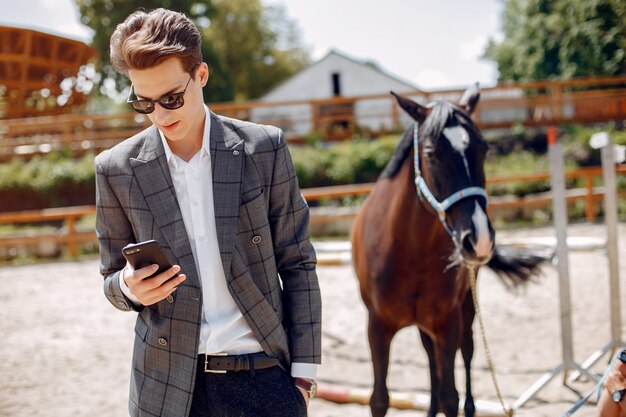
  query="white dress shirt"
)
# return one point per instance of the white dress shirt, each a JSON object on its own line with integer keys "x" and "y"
{"x": 223, "y": 328}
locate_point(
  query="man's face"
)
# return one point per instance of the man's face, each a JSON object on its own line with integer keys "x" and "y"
{"x": 186, "y": 122}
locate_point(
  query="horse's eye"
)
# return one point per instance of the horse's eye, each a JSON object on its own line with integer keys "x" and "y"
{"x": 429, "y": 152}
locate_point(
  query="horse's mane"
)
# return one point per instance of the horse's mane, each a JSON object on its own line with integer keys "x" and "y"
{"x": 442, "y": 112}
{"x": 401, "y": 153}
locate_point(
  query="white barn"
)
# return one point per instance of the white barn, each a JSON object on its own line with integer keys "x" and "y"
{"x": 337, "y": 76}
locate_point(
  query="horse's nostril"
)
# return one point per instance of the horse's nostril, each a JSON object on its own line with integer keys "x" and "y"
{"x": 467, "y": 243}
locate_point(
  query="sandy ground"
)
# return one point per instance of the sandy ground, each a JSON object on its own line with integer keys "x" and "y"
{"x": 66, "y": 352}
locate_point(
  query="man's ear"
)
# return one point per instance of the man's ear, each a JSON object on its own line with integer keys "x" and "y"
{"x": 203, "y": 72}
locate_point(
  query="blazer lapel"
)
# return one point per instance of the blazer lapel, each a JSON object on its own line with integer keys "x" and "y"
{"x": 154, "y": 179}
{"x": 227, "y": 161}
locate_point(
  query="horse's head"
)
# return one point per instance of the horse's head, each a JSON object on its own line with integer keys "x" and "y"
{"x": 452, "y": 153}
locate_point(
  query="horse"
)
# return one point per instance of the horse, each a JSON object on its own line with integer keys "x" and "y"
{"x": 415, "y": 238}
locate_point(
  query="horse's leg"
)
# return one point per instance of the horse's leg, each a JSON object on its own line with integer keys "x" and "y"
{"x": 380, "y": 341}
{"x": 427, "y": 342}
{"x": 446, "y": 344}
{"x": 467, "y": 350}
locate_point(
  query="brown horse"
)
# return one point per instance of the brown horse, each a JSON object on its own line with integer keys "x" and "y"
{"x": 411, "y": 252}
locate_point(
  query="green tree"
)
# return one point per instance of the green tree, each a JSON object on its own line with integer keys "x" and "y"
{"x": 260, "y": 46}
{"x": 560, "y": 39}
{"x": 104, "y": 15}
{"x": 249, "y": 48}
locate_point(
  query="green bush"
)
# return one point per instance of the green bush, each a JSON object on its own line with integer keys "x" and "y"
{"x": 51, "y": 178}
{"x": 309, "y": 165}
{"x": 520, "y": 163}
{"x": 352, "y": 162}
{"x": 46, "y": 173}
{"x": 576, "y": 142}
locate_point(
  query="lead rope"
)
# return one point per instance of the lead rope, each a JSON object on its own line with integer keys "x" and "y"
{"x": 483, "y": 334}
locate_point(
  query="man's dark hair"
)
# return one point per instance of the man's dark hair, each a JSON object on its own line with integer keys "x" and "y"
{"x": 144, "y": 40}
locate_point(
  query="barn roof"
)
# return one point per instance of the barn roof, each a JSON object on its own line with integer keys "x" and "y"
{"x": 399, "y": 83}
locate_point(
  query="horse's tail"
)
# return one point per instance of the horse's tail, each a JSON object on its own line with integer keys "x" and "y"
{"x": 516, "y": 266}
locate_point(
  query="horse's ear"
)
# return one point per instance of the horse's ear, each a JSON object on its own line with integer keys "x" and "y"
{"x": 413, "y": 109}
{"x": 470, "y": 98}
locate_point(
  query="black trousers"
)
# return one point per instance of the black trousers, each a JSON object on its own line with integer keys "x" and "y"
{"x": 260, "y": 393}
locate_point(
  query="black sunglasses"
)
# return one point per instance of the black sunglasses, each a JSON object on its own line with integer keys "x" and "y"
{"x": 171, "y": 101}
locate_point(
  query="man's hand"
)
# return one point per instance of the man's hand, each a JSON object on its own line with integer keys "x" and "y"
{"x": 305, "y": 394}
{"x": 615, "y": 381}
{"x": 152, "y": 290}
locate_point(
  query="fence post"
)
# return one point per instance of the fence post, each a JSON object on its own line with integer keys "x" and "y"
{"x": 612, "y": 223}
{"x": 395, "y": 118}
{"x": 559, "y": 203}
{"x": 315, "y": 120}
{"x": 589, "y": 209}
{"x": 557, "y": 102}
{"x": 70, "y": 221}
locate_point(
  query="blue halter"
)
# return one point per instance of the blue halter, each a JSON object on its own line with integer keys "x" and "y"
{"x": 440, "y": 207}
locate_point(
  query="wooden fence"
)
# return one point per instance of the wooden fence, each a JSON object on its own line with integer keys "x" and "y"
{"x": 533, "y": 104}
{"x": 590, "y": 194}
{"x": 70, "y": 237}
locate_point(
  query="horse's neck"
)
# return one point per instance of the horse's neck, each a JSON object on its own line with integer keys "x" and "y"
{"x": 412, "y": 205}
{"x": 415, "y": 223}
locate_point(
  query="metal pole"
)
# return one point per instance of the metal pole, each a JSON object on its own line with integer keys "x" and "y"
{"x": 610, "y": 209}
{"x": 557, "y": 181}
{"x": 603, "y": 141}
{"x": 559, "y": 205}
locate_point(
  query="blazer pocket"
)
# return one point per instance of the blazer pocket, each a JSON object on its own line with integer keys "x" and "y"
{"x": 247, "y": 200}
{"x": 254, "y": 241}
{"x": 253, "y": 214}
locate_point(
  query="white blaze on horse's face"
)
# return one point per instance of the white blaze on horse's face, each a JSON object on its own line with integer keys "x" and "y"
{"x": 460, "y": 140}
{"x": 483, "y": 245}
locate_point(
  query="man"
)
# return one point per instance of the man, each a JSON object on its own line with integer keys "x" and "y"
{"x": 234, "y": 327}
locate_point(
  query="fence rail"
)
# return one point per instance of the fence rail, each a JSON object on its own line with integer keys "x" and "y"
{"x": 590, "y": 194}
{"x": 590, "y": 100}
{"x": 70, "y": 237}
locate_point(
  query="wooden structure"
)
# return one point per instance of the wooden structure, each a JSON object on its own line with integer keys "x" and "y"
{"x": 597, "y": 100}
{"x": 38, "y": 135}
{"x": 590, "y": 195}
{"x": 32, "y": 67}
{"x": 70, "y": 237}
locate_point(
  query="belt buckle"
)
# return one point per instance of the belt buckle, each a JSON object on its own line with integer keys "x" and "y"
{"x": 206, "y": 363}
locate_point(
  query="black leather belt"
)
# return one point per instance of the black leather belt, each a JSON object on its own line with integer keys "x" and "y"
{"x": 220, "y": 364}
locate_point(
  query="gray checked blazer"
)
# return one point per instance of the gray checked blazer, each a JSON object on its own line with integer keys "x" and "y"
{"x": 273, "y": 281}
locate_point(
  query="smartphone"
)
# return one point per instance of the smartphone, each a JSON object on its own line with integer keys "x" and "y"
{"x": 146, "y": 253}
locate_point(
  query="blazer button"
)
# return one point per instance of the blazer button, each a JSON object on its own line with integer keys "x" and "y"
{"x": 256, "y": 239}
{"x": 170, "y": 299}
{"x": 162, "y": 341}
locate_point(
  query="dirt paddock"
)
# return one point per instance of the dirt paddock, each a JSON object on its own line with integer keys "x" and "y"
{"x": 66, "y": 352}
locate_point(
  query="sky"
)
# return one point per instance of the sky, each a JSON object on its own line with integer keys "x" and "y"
{"x": 431, "y": 43}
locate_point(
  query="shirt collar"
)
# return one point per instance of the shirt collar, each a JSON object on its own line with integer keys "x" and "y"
{"x": 206, "y": 143}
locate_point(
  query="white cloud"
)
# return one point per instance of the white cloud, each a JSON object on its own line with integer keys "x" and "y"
{"x": 472, "y": 49}
{"x": 49, "y": 4}
{"x": 431, "y": 78}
